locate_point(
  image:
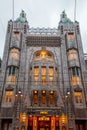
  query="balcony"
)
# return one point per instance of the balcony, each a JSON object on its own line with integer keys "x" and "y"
{"x": 73, "y": 63}
{"x": 13, "y": 61}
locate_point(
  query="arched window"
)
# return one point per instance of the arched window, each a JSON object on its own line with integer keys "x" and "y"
{"x": 43, "y": 55}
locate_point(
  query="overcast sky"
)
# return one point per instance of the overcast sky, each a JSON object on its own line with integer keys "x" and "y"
{"x": 43, "y": 13}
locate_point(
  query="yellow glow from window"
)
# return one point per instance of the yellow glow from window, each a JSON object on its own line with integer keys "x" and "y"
{"x": 63, "y": 120}
{"x": 43, "y": 97}
{"x": 76, "y": 80}
{"x": 8, "y": 96}
{"x": 43, "y": 75}
{"x": 36, "y": 74}
{"x": 43, "y": 91}
{"x": 43, "y": 55}
{"x": 78, "y": 97}
{"x": 51, "y": 75}
{"x": 51, "y": 97}
{"x": 11, "y": 79}
{"x": 35, "y": 96}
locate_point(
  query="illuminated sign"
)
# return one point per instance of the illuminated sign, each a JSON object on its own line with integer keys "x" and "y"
{"x": 43, "y": 112}
{"x": 43, "y": 118}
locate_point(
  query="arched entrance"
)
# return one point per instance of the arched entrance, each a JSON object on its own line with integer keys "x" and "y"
{"x": 43, "y": 122}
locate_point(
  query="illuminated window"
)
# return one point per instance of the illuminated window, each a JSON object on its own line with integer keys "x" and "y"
{"x": 8, "y": 96}
{"x": 43, "y": 71}
{"x": 76, "y": 80}
{"x": 35, "y": 97}
{"x": 11, "y": 74}
{"x": 43, "y": 55}
{"x": 72, "y": 55}
{"x": 14, "y": 54}
{"x": 78, "y": 97}
{"x": 36, "y": 74}
{"x": 51, "y": 75}
{"x": 75, "y": 76}
{"x": 51, "y": 97}
{"x": 43, "y": 97}
{"x": 11, "y": 79}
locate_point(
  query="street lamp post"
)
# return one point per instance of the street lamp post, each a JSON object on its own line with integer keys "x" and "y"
{"x": 17, "y": 110}
{"x": 70, "y": 111}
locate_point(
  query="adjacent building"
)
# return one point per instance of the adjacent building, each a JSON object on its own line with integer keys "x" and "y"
{"x": 43, "y": 77}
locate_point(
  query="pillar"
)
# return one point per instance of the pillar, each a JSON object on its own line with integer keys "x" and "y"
{"x": 53, "y": 123}
{"x": 35, "y": 123}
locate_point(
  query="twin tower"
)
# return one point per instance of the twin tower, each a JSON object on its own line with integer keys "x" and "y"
{"x": 43, "y": 83}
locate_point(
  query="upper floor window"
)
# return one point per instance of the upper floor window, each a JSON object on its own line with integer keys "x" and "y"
{"x": 11, "y": 74}
{"x": 43, "y": 97}
{"x": 16, "y": 35}
{"x": 8, "y": 96}
{"x": 43, "y": 55}
{"x": 36, "y": 74}
{"x": 78, "y": 97}
{"x": 51, "y": 97}
{"x": 70, "y": 37}
{"x": 43, "y": 68}
{"x": 51, "y": 72}
{"x": 72, "y": 55}
{"x": 35, "y": 96}
{"x": 14, "y": 54}
{"x": 75, "y": 76}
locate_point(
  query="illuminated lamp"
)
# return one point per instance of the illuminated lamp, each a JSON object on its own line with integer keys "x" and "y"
{"x": 43, "y": 91}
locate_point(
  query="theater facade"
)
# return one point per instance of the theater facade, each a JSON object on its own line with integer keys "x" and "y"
{"x": 43, "y": 77}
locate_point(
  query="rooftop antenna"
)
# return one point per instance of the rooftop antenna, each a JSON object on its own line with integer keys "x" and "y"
{"x": 75, "y": 11}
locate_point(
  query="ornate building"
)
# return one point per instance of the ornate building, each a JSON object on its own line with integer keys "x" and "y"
{"x": 43, "y": 77}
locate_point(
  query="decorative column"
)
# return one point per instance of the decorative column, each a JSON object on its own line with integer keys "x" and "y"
{"x": 63, "y": 122}
{"x": 35, "y": 123}
{"x": 53, "y": 123}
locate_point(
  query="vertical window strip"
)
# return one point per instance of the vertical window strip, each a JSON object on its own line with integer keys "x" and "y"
{"x": 36, "y": 74}
{"x": 43, "y": 72}
{"x": 51, "y": 73}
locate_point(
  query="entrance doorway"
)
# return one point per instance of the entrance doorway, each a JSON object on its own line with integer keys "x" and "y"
{"x": 44, "y": 125}
{"x": 43, "y": 122}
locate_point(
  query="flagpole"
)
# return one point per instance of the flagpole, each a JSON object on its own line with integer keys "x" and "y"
{"x": 13, "y": 10}
{"x": 13, "y": 13}
{"x": 75, "y": 11}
